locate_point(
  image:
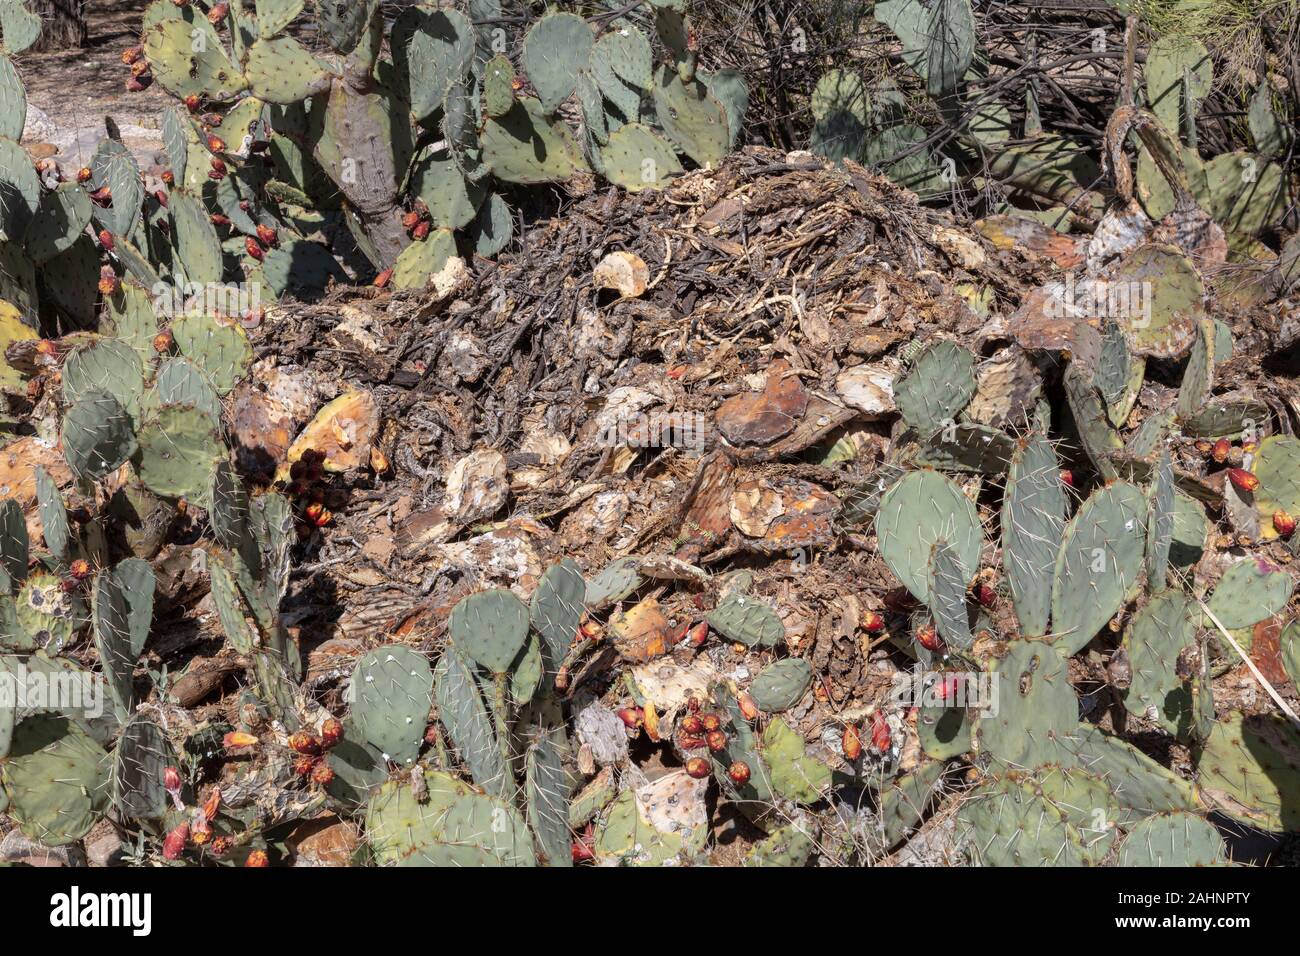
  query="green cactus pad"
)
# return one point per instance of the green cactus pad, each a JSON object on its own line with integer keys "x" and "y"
{"x": 463, "y": 714}
{"x": 748, "y": 621}
{"x": 1160, "y": 522}
{"x": 626, "y": 837}
{"x": 1157, "y": 635}
{"x": 1225, "y": 417}
{"x": 1250, "y": 591}
{"x": 1009, "y": 821}
{"x": 220, "y": 349}
{"x": 547, "y": 789}
{"x": 614, "y": 582}
{"x": 1098, "y": 564}
{"x": 14, "y": 543}
{"x": 788, "y": 846}
{"x": 940, "y": 383}
{"x": 622, "y": 55}
{"x": 13, "y": 101}
{"x": 97, "y": 436}
{"x": 493, "y": 226}
{"x": 903, "y": 802}
{"x": 691, "y": 117}
{"x": 1163, "y": 281}
{"x": 104, "y": 365}
{"x": 61, "y": 217}
{"x": 281, "y": 71}
{"x": 186, "y": 54}
{"x": 947, "y": 584}
{"x": 1173, "y": 839}
{"x": 637, "y": 158}
{"x": 915, "y": 513}
{"x": 1033, "y": 521}
{"x": 343, "y": 22}
{"x": 1036, "y": 709}
{"x": 452, "y": 200}
{"x": 140, "y": 762}
{"x": 300, "y": 268}
{"x": 56, "y": 778}
{"x": 944, "y": 732}
{"x": 452, "y": 826}
{"x": 1249, "y": 769}
{"x": 432, "y": 51}
{"x": 526, "y": 146}
{"x": 392, "y": 688}
{"x": 274, "y": 15}
{"x": 420, "y": 260}
{"x": 179, "y": 446}
{"x": 968, "y": 446}
{"x": 122, "y": 611}
{"x": 490, "y": 627}
{"x": 179, "y": 382}
{"x": 557, "y": 607}
{"x": 232, "y": 609}
{"x": 1179, "y": 74}
{"x": 498, "y": 86}
{"x": 1136, "y": 782}
{"x": 556, "y": 47}
{"x": 20, "y": 188}
{"x": 54, "y": 520}
{"x": 47, "y": 614}
{"x": 195, "y": 238}
{"x": 1277, "y": 466}
{"x": 781, "y": 685}
{"x": 794, "y": 775}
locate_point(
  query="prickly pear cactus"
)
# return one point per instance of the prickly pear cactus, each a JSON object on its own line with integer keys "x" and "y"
{"x": 392, "y": 690}
{"x": 1249, "y": 768}
{"x": 781, "y": 685}
{"x": 917, "y": 511}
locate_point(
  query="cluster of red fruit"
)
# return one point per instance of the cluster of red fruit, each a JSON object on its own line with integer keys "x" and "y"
{"x": 1223, "y": 452}
{"x": 141, "y": 77}
{"x": 418, "y": 222}
{"x": 197, "y": 831}
{"x": 310, "y": 749}
{"x": 306, "y": 487}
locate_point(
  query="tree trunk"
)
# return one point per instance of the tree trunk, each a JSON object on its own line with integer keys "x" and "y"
{"x": 63, "y": 23}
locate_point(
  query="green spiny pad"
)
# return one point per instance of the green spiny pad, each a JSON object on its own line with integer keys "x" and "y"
{"x": 61, "y": 217}
{"x": 186, "y": 54}
{"x": 56, "y": 780}
{"x": 13, "y": 101}
{"x": 1277, "y": 466}
{"x": 557, "y": 46}
{"x": 1156, "y": 636}
{"x": 1250, "y": 591}
{"x": 638, "y": 158}
{"x": 460, "y": 126}
{"x": 547, "y": 789}
{"x": 432, "y": 51}
{"x": 781, "y": 685}
{"x": 232, "y": 609}
{"x": 281, "y": 71}
{"x": 1171, "y": 294}
{"x": 54, "y": 520}
{"x": 728, "y": 87}
{"x": 691, "y": 117}
{"x": 140, "y": 762}
{"x": 756, "y": 794}
{"x": 274, "y": 15}
{"x": 1198, "y": 376}
{"x": 1225, "y": 417}
{"x": 841, "y": 91}
{"x": 179, "y": 446}
{"x": 392, "y": 692}
{"x": 916, "y": 512}
{"x": 97, "y": 437}
{"x": 19, "y": 26}
{"x": 944, "y": 732}
{"x": 788, "y": 846}
{"x": 527, "y": 671}
{"x": 1136, "y": 782}
{"x": 451, "y": 199}
{"x": 46, "y": 613}
{"x": 626, "y": 836}
{"x": 1036, "y": 708}
{"x": 491, "y": 627}
{"x": 463, "y": 714}
{"x": 20, "y": 190}
{"x": 343, "y": 22}
{"x": 1160, "y": 522}
{"x": 498, "y": 86}
{"x": 1091, "y": 421}
{"x": 526, "y": 146}
{"x": 1098, "y": 564}
{"x": 451, "y": 826}
{"x": 557, "y": 607}
{"x": 179, "y": 382}
{"x": 623, "y": 54}
{"x": 70, "y": 279}
{"x": 1033, "y": 520}
{"x": 220, "y": 349}
{"x": 947, "y": 584}
{"x": 903, "y": 802}
{"x": 122, "y": 611}
{"x": 794, "y": 774}
{"x": 1177, "y": 69}
{"x": 1243, "y": 193}
{"x": 1173, "y": 839}
{"x": 104, "y": 365}
{"x": 968, "y": 446}
{"x": 300, "y": 268}
{"x": 1249, "y": 769}
{"x": 614, "y": 582}
{"x": 940, "y": 383}
{"x": 114, "y": 166}
{"x": 1008, "y": 821}
{"x": 1290, "y": 641}
{"x": 195, "y": 238}
{"x": 131, "y": 317}
{"x": 420, "y": 260}
{"x": 748, "y": 621}
{"x": 492, "y": 227}
{"x": 8, "y": 715}
{"x": 13, "y": 543}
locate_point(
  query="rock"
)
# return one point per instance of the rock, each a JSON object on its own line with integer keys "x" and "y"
{"x": 16, "y": 847}
{"x": 332, "y": 846}
{"x": 104, "y": 849}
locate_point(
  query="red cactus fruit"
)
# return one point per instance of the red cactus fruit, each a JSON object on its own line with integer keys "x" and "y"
{"x": 851, "y": 742}
{"x": 739, "y": 773}
{"x": 174, "y": 842}
{"x": 716, "y": 740}
{"x": 698, "y": 768}
{"x": 1242, "y": 480}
